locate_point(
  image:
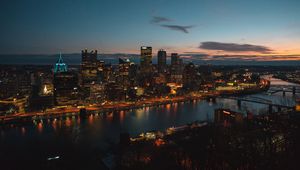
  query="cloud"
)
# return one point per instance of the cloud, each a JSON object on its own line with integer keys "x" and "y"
{"x": 257, "y": 58}
{"x": 195, "y": 54}
{"x": 158, "y": 19}
{"x": 181, "y": 28}
{"x": 233, "y": 47}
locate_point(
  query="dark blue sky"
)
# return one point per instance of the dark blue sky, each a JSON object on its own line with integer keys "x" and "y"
{"x": 222, "y": 26}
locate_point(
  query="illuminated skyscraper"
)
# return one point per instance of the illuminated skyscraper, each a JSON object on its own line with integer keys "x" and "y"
{"x": 65, "y": 88}
{"x": 176, "y": 68}
{"x": 124, "y": 65}
{"x": 100, "y": 66}
{"x": 65, "y": 84}
{"x": 89, "y": 68}
{"x": 161, "y": 60}
{"x": 146, "y": 59}
{"x": 189, "y": 77}
{"x": 60, "y": 66}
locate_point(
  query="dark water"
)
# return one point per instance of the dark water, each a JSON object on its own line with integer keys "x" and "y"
{"x": 82, "y": 143}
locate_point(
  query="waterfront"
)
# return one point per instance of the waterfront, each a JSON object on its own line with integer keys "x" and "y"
{"x": 90, "y": 139}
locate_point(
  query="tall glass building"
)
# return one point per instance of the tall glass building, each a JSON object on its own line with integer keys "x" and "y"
{"x": 161, "y": 60}
{"x": 146, "y": 59}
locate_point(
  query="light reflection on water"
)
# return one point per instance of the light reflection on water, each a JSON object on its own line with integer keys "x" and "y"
{"x": 100, "y": 130}
{"x": 68, "y": 122}
{"x": 23, "y": 131}
{"x": 164, "y": 116}
{"x": 91, "y": 119}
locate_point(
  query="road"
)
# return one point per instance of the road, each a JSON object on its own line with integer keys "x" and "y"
{"x": 113, "y": 106}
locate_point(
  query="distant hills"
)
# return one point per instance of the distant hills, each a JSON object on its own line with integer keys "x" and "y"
{"x": 75, "y": 59}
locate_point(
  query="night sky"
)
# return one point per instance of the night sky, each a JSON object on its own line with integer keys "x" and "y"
{"x": 264, "y": 29}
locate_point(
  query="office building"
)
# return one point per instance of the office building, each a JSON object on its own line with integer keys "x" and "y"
{"x": 123, "y": 77}
{"x": 190, "y": 77}
{"x": 174, "y": 59}
{"x": 89, "y": 68}
{"x": 176, "y": 68}
{"x": 65, "y": 88}
{"x": 146, "y": 59}
{"x": 65, "y": 85}
{"x": 60, "y": 66}
{"x": 161, "y": 60}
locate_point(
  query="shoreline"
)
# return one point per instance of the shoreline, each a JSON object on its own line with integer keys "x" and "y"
{"x": 287, "y": 80}
{"x": 122, "y": 106}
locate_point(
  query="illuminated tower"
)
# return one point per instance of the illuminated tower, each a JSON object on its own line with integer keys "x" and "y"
{"x": 89, "y": 68}
{"x": 146, "y": 59}
{"x": 176, "y": 68}
{"x": 60, "y": 66}
{"x": 65, "y": 84}
{"x": 123, "y": 78}
{"x": 65, "y": 88}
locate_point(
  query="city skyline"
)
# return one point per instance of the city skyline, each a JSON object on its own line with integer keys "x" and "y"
{"x": 261, "y": 31}
{"x": 149, "y": 84}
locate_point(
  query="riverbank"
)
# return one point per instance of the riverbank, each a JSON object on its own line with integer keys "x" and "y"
{"x": 213, "y": 146}
{"x": 122, "y": 106}
{"x": 74, "y": 111}
{"x": 285, "y": 78}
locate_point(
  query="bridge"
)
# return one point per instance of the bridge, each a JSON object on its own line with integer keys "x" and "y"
{"x": 285, "y": 89}
{"x": 259, "y": 101}
{"x": 19, "y": 103}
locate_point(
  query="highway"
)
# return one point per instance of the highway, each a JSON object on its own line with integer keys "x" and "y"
{"x": 108, "y": 107}
{"x": 59, "y": 111}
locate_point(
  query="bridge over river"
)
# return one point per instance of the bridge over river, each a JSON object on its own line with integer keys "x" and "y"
{"x": 284, "y": 89}
{"x": 260, "y": 101}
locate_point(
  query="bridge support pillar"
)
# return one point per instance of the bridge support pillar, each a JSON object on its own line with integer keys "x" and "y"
{"x": 210, "y": 99}
{"x": 270, "y": 109}
{"x": 294, "y": 90}
{"x": 82, "y": 113}
{"x": 239, "y": 103}
{"x": 279, "y": 109}
{"x": 214, "y": 99}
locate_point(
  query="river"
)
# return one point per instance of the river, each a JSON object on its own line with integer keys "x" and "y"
{"x": 75, "y": 140}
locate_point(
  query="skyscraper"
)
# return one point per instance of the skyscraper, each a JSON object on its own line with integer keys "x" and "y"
{"x": 60, "y": 66}
{"x": 65, "y": 88}
{"x": 176, "y": 68}
{"x": 89, "y": 68}
{"x": 123, "y": 78}
{"x": 65, "y": 84}
{"x": 174, "y": 59}
{"x": 146, "y": 59}
{"x": 189, "y": 77}
{"x": 161, "y": 60}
